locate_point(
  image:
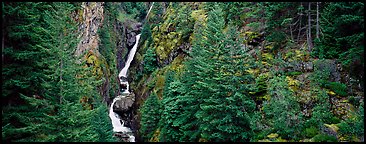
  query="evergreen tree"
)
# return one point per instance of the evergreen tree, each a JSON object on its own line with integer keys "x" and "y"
{"x": 343, "y": 35}
{"x": 150, "y": 116}
{"x": 150, "y": 63}
{"x": 59, "y": 116}
{"x": 169, "y": 130}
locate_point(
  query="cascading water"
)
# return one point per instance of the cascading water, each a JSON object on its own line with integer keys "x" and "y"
{"x": 117, "y": 123}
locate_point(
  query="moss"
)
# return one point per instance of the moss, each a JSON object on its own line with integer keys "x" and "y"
{"x": 311, "y": 132}
{"x": 177, "y": 64}
{"x": 199, "y": 15}
{"x": 324, "y": 138}
{"x": 156, "y": 135}
{"x": 97, "y": 63}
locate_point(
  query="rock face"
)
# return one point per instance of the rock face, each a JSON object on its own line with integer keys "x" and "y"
{"x": 129, "y": 30}
{"x": 132, "y": 30}
{"x": 92, "y": 19}
{"x": 125, "y": 103}
{"x": 300, "y": 66}
{"x": 332, "y": 66}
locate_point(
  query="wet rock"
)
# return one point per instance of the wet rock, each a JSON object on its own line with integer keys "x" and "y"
{"x": 125, "y": 103}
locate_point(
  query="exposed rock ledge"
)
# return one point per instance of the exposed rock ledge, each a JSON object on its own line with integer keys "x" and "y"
{"x": 125, "y": 103}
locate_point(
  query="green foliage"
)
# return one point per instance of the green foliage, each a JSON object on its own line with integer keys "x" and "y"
{"x": 150, "y": 63}
{"x": 338, "y": 88}
{"x": 171, "y": 110}
{"x": 343, "y": 36}
{"x": 137, "y": 10}
{"x": 354, "y": 101}
{"x": 324, "y": 138}
{"x": 48, "y": 36}
{"x": 217, "y": 85}
{"x": 276, "y": 16}
{"x": 150, "y": 116}
{"x": 185, "y": 21}
{"x": 354, "y": 126}
{"x": 293, "y": 73}
{"x": 311, "y": 131}
{"x": 283, "y": 110}
{"x": 321, "y": 112}
{"x": 146, "y": 34}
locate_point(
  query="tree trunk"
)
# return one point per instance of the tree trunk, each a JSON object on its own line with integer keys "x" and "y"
{"x": 149, "y": 10}
{"x": 310, "y": 43}
{"x": 317, "y": 20}
{"x": 298, "y": 34}
{"x": 61, "y": 89}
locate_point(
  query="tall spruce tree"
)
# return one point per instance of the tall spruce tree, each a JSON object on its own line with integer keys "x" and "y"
{"x": 54, "y": 112}
{"x": 150, "y": 116}
{"x": 226, "y": 107}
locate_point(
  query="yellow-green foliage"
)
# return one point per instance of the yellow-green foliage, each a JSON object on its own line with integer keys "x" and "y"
{"x": 295, "y": 55}
{"x": 97, "y": 63}
{"x": 249, "y": 36}
{"x": 200, "y": 16}
{"x": 159, "y": 86}
{"x": 155, "y": 137}
{"x": 267, "y": 57}
{"x": 177, "y": 64}
{"x": 293, "y": 83}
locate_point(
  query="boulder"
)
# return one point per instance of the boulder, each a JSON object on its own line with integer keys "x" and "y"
{"x": 124, "y": 103}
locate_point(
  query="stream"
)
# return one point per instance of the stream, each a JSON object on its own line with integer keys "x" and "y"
{"x": 117, "y": 123}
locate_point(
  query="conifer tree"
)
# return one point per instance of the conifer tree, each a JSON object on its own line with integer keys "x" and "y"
{"x": 150, "y": 116}
{"x": 59, "y": 115}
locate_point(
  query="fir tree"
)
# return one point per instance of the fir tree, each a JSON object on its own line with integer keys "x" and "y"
{"x": 150, "y": 116}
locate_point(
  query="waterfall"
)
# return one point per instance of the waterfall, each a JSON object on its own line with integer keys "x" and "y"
{"x": 117, "y": 123}
{"x": 123, "y": 72}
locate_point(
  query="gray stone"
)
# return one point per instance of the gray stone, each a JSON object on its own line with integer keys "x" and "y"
{"x": 125, "y": 103}
{"x": 308, "y": 66}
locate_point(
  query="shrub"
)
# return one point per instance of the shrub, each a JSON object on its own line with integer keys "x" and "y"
{"x": 339, "y": 88}
{"x": 324, "y": 138}
{"x": 311, "y": 132}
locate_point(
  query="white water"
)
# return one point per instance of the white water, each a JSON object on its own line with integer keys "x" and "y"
{"x": 116, "y": 121}
{"x": 123, "y": 72}
{"x": 117, "y": 126}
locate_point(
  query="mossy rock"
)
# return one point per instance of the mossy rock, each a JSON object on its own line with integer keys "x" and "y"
{"x": 159, "y": 86}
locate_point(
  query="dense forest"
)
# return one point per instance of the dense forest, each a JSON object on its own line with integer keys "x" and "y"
{"x": 202, "y": 71}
